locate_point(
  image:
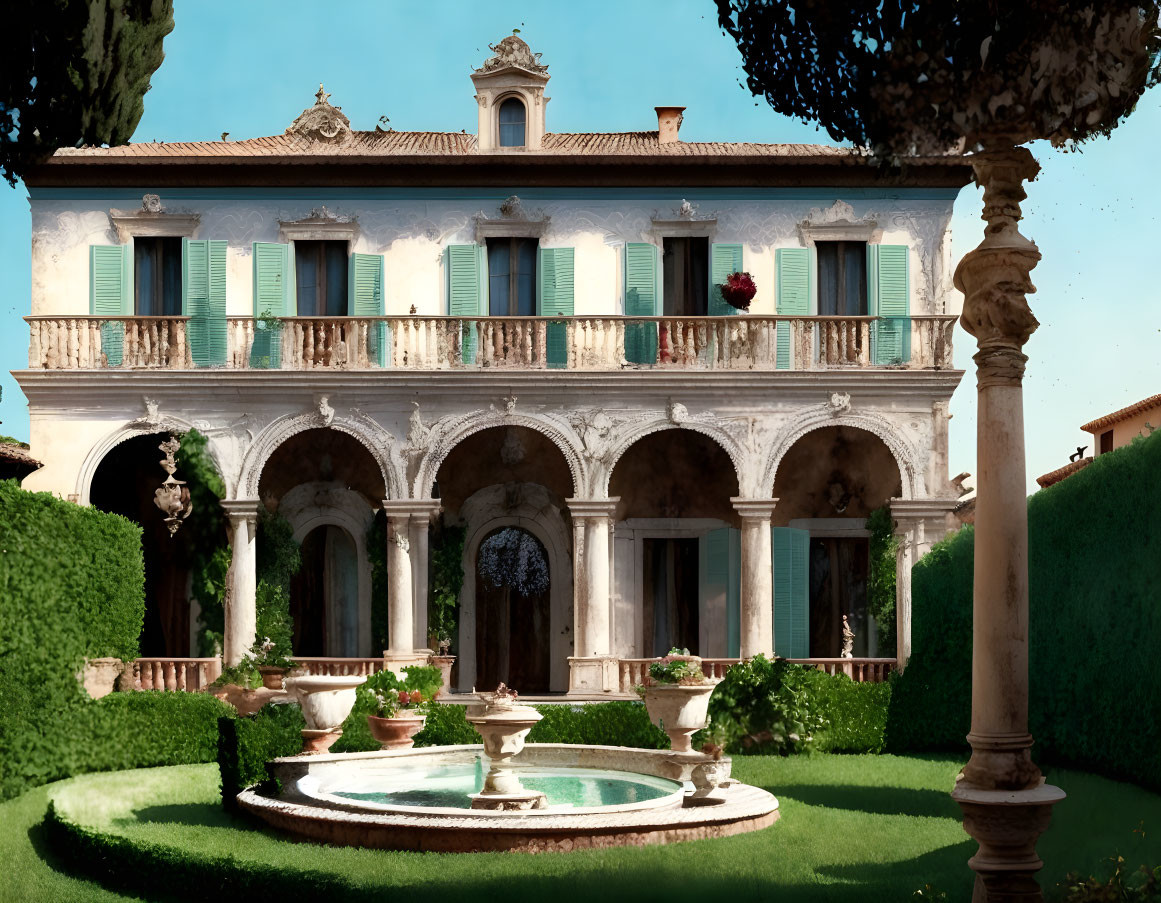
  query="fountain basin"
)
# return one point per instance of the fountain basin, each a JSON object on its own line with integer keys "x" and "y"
{"x": 416, "y": 799}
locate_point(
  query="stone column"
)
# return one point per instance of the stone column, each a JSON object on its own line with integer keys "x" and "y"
{"x": 592, "y": 669}
{"x": 905, "y": 531}
{"x": 757, "y": 622}
{"x": 241, "y": 600}
{"x": 424, "y": 512}
{"x": 1005, "y": 802}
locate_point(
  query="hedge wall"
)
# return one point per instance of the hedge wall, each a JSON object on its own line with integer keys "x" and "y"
{"x": 1095, "y": 586}
{"x": 245, "y": 745}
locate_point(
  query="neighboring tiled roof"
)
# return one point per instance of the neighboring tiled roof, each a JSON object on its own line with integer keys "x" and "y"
{"x": 1060, "y": 473}
{"x": 1153, "y": 401}
{"x": 12, "y": 453}
{"x": 460, "y": 144}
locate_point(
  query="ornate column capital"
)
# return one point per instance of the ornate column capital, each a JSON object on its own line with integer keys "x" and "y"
{"x": 416, "y": 509}
{"x": 757, "y": 509}
{"x": 241, "y": 509}
{"x": 583, "y": 508}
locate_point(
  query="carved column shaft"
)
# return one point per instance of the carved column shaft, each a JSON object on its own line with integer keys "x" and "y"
{"x": 590, "y": 665}
{"x": 906, "y": 531}
{"x": 419, "y": 525}
{"x": 1005, "y": 805}
{"x": 400, "y": 607}
{"x": 757, "y": 589}
{"x": 241, "y": 602}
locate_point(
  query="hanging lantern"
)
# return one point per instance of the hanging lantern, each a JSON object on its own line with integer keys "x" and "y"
{"x": 173, "y": 496}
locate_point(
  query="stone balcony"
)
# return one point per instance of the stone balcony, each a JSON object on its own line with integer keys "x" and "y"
{"x": 606, "y": 343}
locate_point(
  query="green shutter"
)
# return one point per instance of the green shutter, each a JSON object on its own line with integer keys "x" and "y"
{"x": 889, "y": 286}
{"x": 724, "y": 260}
{"x": 464, "y": 297}
{"x": 274, "y": 296}
{"x": 641, "y": 301}
{"x": 365, "y": 299}
{"x": 720, "y": 583}
{"x": 111, "y": 294}
{"x": 556, "y": 299}
{"x": 203, "y": 277}
{"x": 793, "y": 299}
{"x": 791, "y": 552}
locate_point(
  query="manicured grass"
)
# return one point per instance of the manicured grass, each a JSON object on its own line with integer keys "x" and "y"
{"x": 852, "y": 828}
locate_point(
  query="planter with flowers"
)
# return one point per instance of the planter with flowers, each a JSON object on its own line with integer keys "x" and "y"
{"x": 397, "y": 708}
{"x": 677, "y": 695}
{"x": 271, "y": 664}
{"x": 738, "y": 290}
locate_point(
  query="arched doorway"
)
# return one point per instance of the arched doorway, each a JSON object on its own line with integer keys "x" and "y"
{"x": 324, "y": 594}
{"x": 513, "y": 611}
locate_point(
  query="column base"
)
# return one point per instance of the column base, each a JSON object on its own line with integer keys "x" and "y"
{"x": 394, "y": 661}
{"x": 1006, "y": 824}
{"x": 596, "y": 674}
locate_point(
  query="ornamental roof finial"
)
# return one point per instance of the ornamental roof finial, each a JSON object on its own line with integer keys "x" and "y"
{"x": 321, "y": 97}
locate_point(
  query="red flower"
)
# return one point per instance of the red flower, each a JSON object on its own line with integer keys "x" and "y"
{"x": 404, "y": 697}
{"x": 738, "y": 290}
{"x": 416, "y": 697}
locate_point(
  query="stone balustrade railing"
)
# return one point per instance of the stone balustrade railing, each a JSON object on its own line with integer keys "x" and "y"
{"x": 339, "y": 667}
{"x": 174, "y": 673}
{"x": 633, "y": 671}
{"x": 749, "y": 342}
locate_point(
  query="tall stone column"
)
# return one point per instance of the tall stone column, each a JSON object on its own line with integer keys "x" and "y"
{"x": 1005, "y": 802}
{"x": 241, "y": 601}
{"x": 424, "y": 512}
{"x": 757, "y": 602}
{"x": 591, "y": 667}
{"x": 905, "y": 532}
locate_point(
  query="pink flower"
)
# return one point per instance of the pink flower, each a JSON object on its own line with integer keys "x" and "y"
{"x": 404, "y": 697}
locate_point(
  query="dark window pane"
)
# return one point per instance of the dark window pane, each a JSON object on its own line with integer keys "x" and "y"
{"x": 145, "y": 267}
{"x": 526, "y": 278}
{"x": 685, "y": 277}
{"x": 499, "y": 265}
{"x": 336, "y": 281}
{"x": 320, "y": 268}
{"x": 170, "y": 277}
{"x": 157, "y": 285}
{"x": 842, "y": 278}
{"x": 854, "y": 302}
{"x": 512, "y": 123}
{"x": 828, "y": 278}
{"x": 306, "y": 267}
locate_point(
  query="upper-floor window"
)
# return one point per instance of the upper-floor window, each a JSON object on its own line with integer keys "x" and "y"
{"x": 512, "y": 123}
{"x": 842, "y": 278}
{"x": 685, "y": 276}
{"x": 157, "y": 277}
{"x": 1106, "y": 441}
{"x": 512, "y": 277}
{"x": 320, "y": 268}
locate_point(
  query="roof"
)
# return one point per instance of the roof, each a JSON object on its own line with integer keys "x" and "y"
{"x": 1060, "y": 473}
{"x": 16, "y": 457}
{"x": 1153, "y": 401}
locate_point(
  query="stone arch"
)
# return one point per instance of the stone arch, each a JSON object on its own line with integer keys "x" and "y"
{"x": 484, "y": 513}
{"x": 638, "y": 431}
{"x": 370, "y": 435}
{"x": 165, "y": 424}
{"x": 910, "y": 471}
{"x": 452, "y": 433}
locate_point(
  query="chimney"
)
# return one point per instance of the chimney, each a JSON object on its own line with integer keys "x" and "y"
{"x": 668, "y": 124}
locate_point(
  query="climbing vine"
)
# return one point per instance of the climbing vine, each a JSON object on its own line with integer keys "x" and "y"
{"x": 208, "y": 534}
{"x": 881, "y": 577}
{"x": 278, "y": 560}
{"x": 377, "y": 557}
{"x": 447, "y": 579}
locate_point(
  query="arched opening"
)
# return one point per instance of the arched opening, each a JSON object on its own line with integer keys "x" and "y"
{"x": 513, "y": 611}
{"x": 328, "y": 486}
{"x": 676, "y": 546}
{"x": 513, "y": 121}
{"x": 827, "y": 485}
{"x": 505, "y": 487}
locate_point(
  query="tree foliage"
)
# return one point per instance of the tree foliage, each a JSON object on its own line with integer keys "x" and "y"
{"x": 902, "y": 77}
{"x": 881, "y": 578}
{"x": 76, "y": 72}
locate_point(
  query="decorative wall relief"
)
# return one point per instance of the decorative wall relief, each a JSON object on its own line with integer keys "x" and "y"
{"x": 172, "y": 497}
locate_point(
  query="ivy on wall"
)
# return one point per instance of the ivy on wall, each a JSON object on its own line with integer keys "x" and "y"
{"x": 278, "y": 560}
{"x": 377, "y": 557}
{"x": 881, "y": 576}
{"x": 207, "y": 529}
{"x": 447, "y": 579}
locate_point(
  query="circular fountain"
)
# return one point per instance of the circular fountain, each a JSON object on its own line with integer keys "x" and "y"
{"x": 508, "y": 795}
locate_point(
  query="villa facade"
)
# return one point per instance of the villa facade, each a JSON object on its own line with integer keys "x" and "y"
{"x": 510, "y": 330}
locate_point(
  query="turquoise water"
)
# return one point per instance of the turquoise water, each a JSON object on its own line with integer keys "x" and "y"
{"x": 450, "y": 786}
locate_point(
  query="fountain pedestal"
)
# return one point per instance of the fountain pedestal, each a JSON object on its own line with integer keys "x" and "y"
{"x": 503, "y": 725}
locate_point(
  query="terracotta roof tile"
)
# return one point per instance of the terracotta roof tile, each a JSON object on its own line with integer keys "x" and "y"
{"x": 1055, "y": 476}
{"x": 1153, "y": 401}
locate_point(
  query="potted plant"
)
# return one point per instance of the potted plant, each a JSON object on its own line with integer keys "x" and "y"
{"x": 443, "y": 659}
{"x": 676, "y": 695}
{"x": 271, "y": 664}
{"x": 397, "y": 708}
{"x": 738, "y": 290}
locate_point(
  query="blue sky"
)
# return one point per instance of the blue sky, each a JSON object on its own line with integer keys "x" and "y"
{"x": 249, "y": 68}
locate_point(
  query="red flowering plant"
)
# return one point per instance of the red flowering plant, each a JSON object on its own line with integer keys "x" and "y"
{"x": 385, "y": 695}
{"x": 677, "y": 667}
{"x": 738, "y": 290}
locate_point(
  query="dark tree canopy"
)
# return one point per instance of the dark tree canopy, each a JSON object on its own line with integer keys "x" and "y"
{"x": 75, "y": 72}
{"x": 902, "y": 77}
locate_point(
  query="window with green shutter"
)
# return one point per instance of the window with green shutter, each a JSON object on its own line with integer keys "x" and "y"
{"x": 365, "y": 299}
{"x": 641, "y": 301}
{"x": 465, "y": 298}
{"x": 111, "y": 295}
{"x": 556, "y": 299}
{"x": 719, "y": 581}
{"x": 792, "y": 267}
{"x": 203, "y": 265}
{"x": 791, "y": 554}
{"x": 274, "y": 296}
{"x": 724, "y": 260}
{"x": 890, "y": 301}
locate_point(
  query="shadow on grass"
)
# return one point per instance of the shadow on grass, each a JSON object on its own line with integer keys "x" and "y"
{"x": 872, "y": 800}
{"x": 210, "y": 815}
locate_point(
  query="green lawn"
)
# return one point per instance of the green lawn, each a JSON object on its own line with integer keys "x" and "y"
{"x": 852, "y": 828}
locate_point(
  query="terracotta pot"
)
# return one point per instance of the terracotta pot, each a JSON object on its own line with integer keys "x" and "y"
{"x": 397, "y": 732}
{"x": 272, "y": 676}
{"x": 679, "y": 710}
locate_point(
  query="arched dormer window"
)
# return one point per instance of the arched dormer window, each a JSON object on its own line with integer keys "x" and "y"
{"x": 512, "y": 123}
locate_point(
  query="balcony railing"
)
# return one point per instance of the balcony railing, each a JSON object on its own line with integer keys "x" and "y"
{"x": 633, "y": 671}
{"x": 750, "y": 342}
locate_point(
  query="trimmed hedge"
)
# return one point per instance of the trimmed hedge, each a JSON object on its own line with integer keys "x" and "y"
{"x": 1095, "y": 625}
{"x": 246, "y": 744}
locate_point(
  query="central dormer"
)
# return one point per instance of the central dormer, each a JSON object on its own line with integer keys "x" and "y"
{"x": 510, "y": 92}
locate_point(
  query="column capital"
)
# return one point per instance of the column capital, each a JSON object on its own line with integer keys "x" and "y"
{"x": 593, "y": 507}
{"x": 917, "y": 509}
{"x": 418, "y": 509}
{"x": 239, "y": 509}
{"x": 760, "y": 509}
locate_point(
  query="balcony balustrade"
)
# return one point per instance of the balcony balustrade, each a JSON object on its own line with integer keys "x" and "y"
{"x": 750, "y": 342}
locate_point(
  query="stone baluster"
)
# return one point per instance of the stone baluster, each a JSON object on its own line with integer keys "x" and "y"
{"x": 241, "y": 606}
{"x": 591, "y": 667}
{"x": 35, "y": 361}
{"x": 757, "y": 591}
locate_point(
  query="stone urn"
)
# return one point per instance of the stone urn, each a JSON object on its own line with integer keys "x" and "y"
{"x": 272, "y": 676}
{"x": 503, "y": 725}
{"x": 681, "y": 710}
{"x": 396, "y": 732}
{"x": 326, "y": 702}
{"x": 444, "y": 663}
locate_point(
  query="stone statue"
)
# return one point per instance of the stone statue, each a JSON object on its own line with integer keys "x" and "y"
{"x": 848, "y": 640}
{"x": 172, "y": 497}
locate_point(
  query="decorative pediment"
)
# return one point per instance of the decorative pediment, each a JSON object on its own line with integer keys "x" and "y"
{"x": 322, "y": 122}
{"x": 512, "y": 53}
{"x": 152, "y": 219}
{"x": 319, "y": 225}
{"x": 837, "y": 223}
